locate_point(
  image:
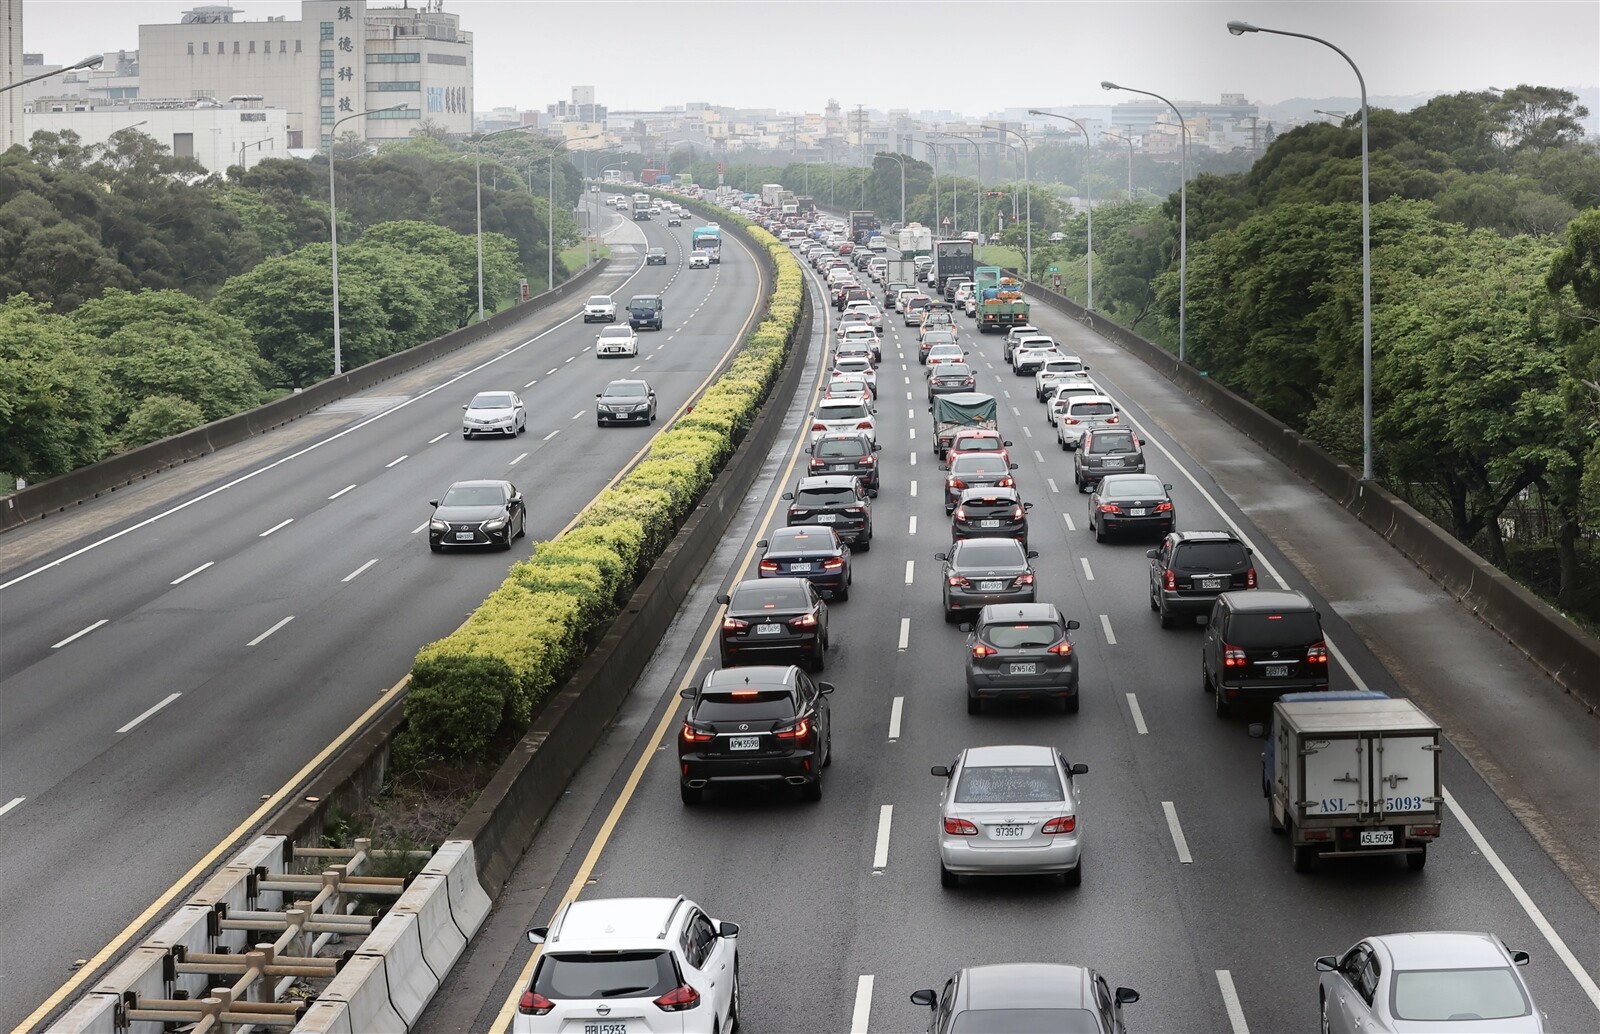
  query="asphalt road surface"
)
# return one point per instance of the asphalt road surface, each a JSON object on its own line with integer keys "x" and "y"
{"x": 172, "y": 653}
{"x": 1186, "y": 895}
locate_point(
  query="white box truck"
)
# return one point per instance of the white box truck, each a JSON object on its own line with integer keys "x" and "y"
{"x": 1347, "y": 774}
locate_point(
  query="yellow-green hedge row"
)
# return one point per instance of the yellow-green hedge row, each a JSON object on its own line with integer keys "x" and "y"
{"x": 535, "y": 629}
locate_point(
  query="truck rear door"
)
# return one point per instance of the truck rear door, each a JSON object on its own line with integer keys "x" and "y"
{"x": 1405, "y": 767}
{"x": 1337, "y": 776}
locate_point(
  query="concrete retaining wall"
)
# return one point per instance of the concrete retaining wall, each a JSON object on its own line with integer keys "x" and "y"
{"x": 113, "y": 472}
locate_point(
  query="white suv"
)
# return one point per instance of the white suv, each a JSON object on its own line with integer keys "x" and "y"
{"x": 633, "y": 966}
{"x": 616, "y": 341}
{"x": 1056, "y": 370}
{"x": 600, "y": 309}
{"x": 1030, "y": 354}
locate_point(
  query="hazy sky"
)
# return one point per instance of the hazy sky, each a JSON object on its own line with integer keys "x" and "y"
{"x": 971, "y": 57}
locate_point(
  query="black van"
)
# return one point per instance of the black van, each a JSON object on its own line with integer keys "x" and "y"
{"x": 1260, "y": 645}
{"x": 644, "y": 311}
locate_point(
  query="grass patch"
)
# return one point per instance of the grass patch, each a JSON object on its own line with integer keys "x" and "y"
{"x": 996, "y": 255}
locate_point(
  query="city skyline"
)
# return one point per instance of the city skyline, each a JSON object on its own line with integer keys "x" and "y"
{"x": 1181, "y": 49}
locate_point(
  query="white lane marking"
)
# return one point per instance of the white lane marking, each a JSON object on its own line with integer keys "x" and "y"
{"x": 518, "y": 460}
{"x": 1052, "y": 483}
{"x": 353, "y": 575}
{"x": 1088, "y": 575}
{"x": 579, "y": 413}
{"x": 1007, "y": 394}
{"x": 1177, "y": 833}
{"x": 1027, "y": 431}
{"x": 895, "y": 710}
{"x": 649, "y": 357}
{"x": 552, "y": 369}
{"x": 905, "y": 633}
{"x": 1038, "y": 455}
{"x": 1068, "y": 518}
{"x": 392, "y": 463}
{"x": 419, "y": 527}
{"x": 531, "y": 383}
{"x": 880, "y": 853}
{"x": 170, "y": 698}
{"x": 913, "y": 524}
{"x": 911, "y": 566}
{"x": 1230, "y": 999}
{"x": 634, "y": 370}
{"x": 1014, "y": 410}
{"x": 1559, "y": 946}
{"x": 341, "y": 492}
{"x": 863, "y": 1008}
{"x": 1138, "y": 715}
{"x": 437, "y": 437}
{"x": 11, "y": 804}
{"x": 913, "y": 459}
{"x": 552, "y": 434}
{"x": 913, "y": 433}
{"x": 908, "y": 399}
{"x": 269, "y": 631}
{"x": 911, "y": 414}
{"x": 79, "y": 634}
{"x": 275, "y": 527}
{"x": 1105, "y": 626}
{"x": 183, "y": 578}
{"x": 569, "y": 358}
{"x": 913, "y": 489}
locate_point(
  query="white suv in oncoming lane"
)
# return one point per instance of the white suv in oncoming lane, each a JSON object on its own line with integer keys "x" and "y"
{"x": 633, "y": 966}
{"x": 600, "y": 309}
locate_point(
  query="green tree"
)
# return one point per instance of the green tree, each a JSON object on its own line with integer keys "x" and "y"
{"x": 158, "y": 417}
{"x": 1540, "y": 117}
{"x": 53, "y": 395}
{"x": 1573, "y": 280}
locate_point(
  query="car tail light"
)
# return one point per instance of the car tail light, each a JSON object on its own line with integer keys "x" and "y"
{"x": 1110, "y": 508}
{"x": 803, "y": 621}
{"x": 534, "y": 1004}
{"x": 734, "y": 624}
{"x": 1061, "y": 649}
{"x": 689, "y": 734}
{"x": 961, "y": 513}
{"x": 960, "y": 828}
{"x": 1111, "y": 419}
{"x": 1017, "y": 513}
{"x": 983, "y": 650}
{"x": 815, "y": 463}
{"x": 1169, "y": 581}
{"x": 1060, "y": 824}
{"x": 769, "y": 565}
{"x": 679, "y": 999}
{"x": 1163, "y": 508}
{"x": 1069, "y": 420}
{"x": 1250, "y": 578}
{"x": 868, "y": 461}
{"x": 1007, "y": 482}
{"x": 855, "y": 510}
{"x": 955, "y": 483}
{"x": 833, "y": 564}
{"x": 1232, "y": 656}
{"x": 959, "y": 582}
{"x": 1318, "y": 654}
{"x": 798, "y": 731}
{"x": 1422, "y": 831}
{"x": 819, "y": 426}
{"x": 971, "y": 382}
{"x": 865, "y": 425}
{"x": 1022, "y": 579}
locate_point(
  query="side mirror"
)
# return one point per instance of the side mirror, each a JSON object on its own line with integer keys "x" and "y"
{"x": 1328, "y": 964}
{"x": 965, "y": 626}
{"x": 652, "y": 394}
{"x": 538, "y": 934}
{"x": 924, "y": 997}
{"x": 1167, "y": 487}
{"x": 1127, "y": 996}
{"x": 942, "y": 556}
{"x": 732, "y": 930}
{"x": 1032, "y": 553}
{"x": 596, "y": 395}
{"x": 1073, "y": 624}
{"x": 1256, "y": 730}
{"x": 1011, "y": 466}
{"x": 1519, "y": 957}
{"x": 724, "y": 599}
{"x": 1027, "y": 506}
{"x": 762, "y": 544}
{"x": 433, "y": 503}
{"x": 1079, "y": 769}
{"x": 876, "y": 447}
{"x": 1152, "y": 553}
{"x": 1086, "y": 366}
{"x": 942, "y": 771}
{"x": 1006, "y": 444}
{"x": 825, "y": 688}
{"x": 464, "y": 407}
{"x": 788, "y": 495}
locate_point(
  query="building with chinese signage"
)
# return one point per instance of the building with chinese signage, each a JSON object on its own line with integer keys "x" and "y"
{"x": 342, "y": 58}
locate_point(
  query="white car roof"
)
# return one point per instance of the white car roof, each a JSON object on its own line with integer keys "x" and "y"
{"x": 623, "y": 331}
{"x": 614, "y": 923}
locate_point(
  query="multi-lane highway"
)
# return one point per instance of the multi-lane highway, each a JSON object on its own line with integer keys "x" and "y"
{"x": 1186, "y": 896}
{"x": 172, "y": 654}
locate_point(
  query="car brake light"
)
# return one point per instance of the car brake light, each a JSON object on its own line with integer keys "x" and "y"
{"x": 819, "y": 426}
{"x": 818, "y": 463}
{"x": 692, "y": 735}
{"x": 799, "y": 731}
{"x": 1232, "y": 656}
{"x": 1250, "y": 579}
{"x": 1110, "y": 508}
{"x": 868, "y": 461}
{"x": 1023, "y": 579}
{"x": 958, "y": 581}
{"x": 1007, "y": 482}
{"x": 1111, "y": 419}
{"x": 960, "y": 828}
{"x": 769, "y": 565}
{"x": 1061, "y": 649}
{"x": 983, "y": 650}
{"x": 534, "y": 1004}
{"x": 803, "y": 621}
{"x": 733, "y": 624}
{"x": 856, "y": 510}
{"x": 679, "y": 999}
{"x": 1018, "y": 513}
{"x": 833, "y": 563}
{"x": 1169, "y": 581}
{"x": 955, "y": 483}
{"x": 1318, "y": 654}
{"x": 1163, "y": 508}
{"x": 865, "y": 425}
{"x": 1060, "y": 824}
{"x": 961, "y": 513}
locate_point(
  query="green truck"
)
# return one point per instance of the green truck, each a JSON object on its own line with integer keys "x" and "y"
{"x": 998, "y": 299}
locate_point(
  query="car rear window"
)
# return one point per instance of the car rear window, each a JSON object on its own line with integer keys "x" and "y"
{"x": 954, "y": 370}
{"x": 980, "y": 443}
{"x": 1031, "y": 633}
{"x": 829, "y": 496}
{"x": 1451, "y": 994}
{"x": 988, "y": 553}
{"x": 1132, "y": 488}
{"x": 1111, "y": 443}
{"x": 769, "y": 595}
{"x": 628, "y": 974}
{"x": 978, "y": 464}
{"x": 742, "y": 705}
{"x": 1250, "y": 630}
{"x": 854, "y": 411}
{"x": 1208, "y": 556}
{"x": 841, "y": 449}
{"x": 1009, "y": 784}
{"x": 1091, "y": 409}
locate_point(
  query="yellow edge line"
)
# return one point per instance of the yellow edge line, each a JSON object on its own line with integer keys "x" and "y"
{"x": 120, "y": 941}
{"x": 502, "y": 1022}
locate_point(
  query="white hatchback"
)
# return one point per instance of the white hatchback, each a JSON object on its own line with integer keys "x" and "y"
{"x": 632, "y": 965}
{"x": 616, "y": 341}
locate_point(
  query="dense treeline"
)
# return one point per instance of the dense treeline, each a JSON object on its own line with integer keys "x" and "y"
{"x": 144, "y": 297}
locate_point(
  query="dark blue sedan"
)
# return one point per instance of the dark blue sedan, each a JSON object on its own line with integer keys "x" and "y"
{"x": 805, "y": 551}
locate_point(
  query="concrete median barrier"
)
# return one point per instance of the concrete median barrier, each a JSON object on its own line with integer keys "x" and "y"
{"x": 325, "y": 1017}
{"x": 411, "y": 983}
{"x": 363, "y": 989}
{"x": 457, "y": 863}
{"x": 428, "y": 899}
{"x": 92, "y": 1014}
{"x": 142, "y": 972}
{"x": 190, "y": 927}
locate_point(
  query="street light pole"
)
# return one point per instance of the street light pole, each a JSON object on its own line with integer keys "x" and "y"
{"x": 92, "y": 61}
{"x": 333, "y": 226}
{"x": 900, "y": 162}
{"x": 243, "y": 148}
{"x": 1027, "y": 183}
{"x": 1088, "y": 193}
{"x": 1129, "y": 142}
{"x": 1183, "y": 212}
{"x": 586, "y": 194}
{"x": 1239, "y": 28}
{"x": 977, "y": 153}
{"x": 477, "y": 176}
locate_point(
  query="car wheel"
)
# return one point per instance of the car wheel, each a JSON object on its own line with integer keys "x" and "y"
{"x": 435, "y": 547}
{"x": 1272, "y": 818}
{"x": 1069, "y": 705}
{"x": 1165, "y": 619}
{"x": 812, "y": 791}
{"x": 1153, "y": 604}
{"x": 1075, "y": 877}
{"x": 951, "y": 616}
{"x": 1322, "y": 999}
{"x": 865, "y": 544}
{"x": 827, "y": 759}
{"x": 1219, "y": 702}
{"x": 1063, "y": 443}
{"x": 1099, "y": 532}
{"x": 1415, "y": 862}
{"x": 691, "y": 795}
{"x": 948, "y": 878}
{"x": 599, "y": 423}
{"x": 466, "y": 436}
{"x": 842, "y": 594}
{"x": 733, "y": 1001}
{"x": 1205, "y": 680}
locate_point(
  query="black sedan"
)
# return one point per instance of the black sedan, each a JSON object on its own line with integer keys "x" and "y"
{"x": 625, "y": 402}
{"x": 816, "y": 554}
{"x": 950, "y": 377}
{"x": 758, "y": 725}
{"x": 655, "y": 257}
{"x": 774, "y": 618}
{"x": 1136, "y": 503}
{"x": 990, "y": 513}
{"x": 978, "y": 572}
{"x": 976, "y": 470}
{"x": 477, "y": 513}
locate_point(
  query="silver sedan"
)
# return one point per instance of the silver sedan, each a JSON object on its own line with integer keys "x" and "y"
{"x": 1009, "y": 811}
{"x": 1426, "y": 981}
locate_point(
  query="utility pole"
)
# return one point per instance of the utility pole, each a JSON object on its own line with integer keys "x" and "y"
{"x": 861, "y": 130}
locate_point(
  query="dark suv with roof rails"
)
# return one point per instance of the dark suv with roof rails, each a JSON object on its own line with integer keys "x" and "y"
{"x": 1260, "y": 645}
{"x": 837, "y": 501}
{"x": 1190, "y": 569}
{"x": 763, "y": 724}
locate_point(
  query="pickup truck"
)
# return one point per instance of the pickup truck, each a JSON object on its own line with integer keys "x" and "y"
{"x": 1352, "y": 773}
{"x": 959, "y": 410}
